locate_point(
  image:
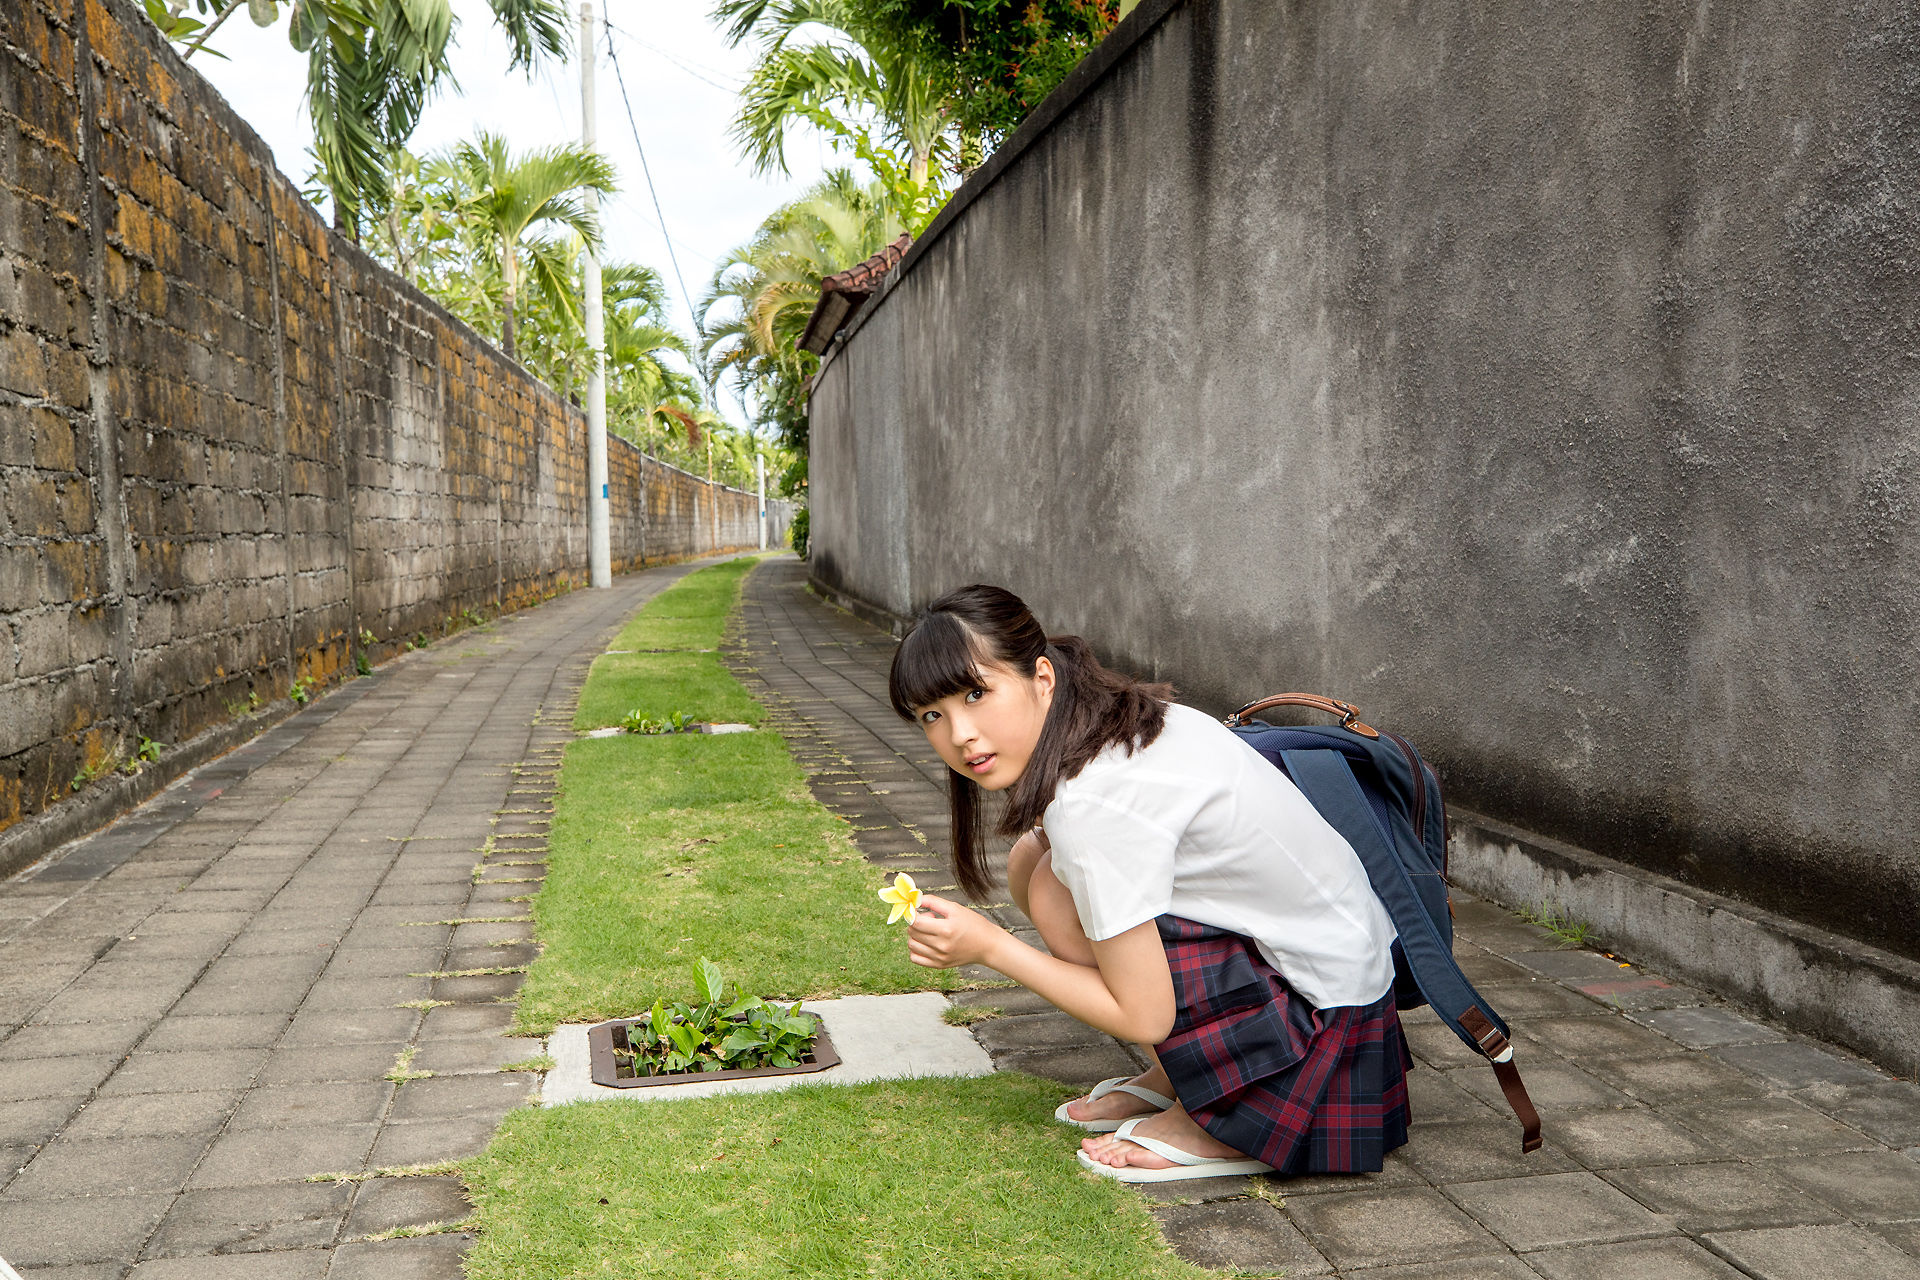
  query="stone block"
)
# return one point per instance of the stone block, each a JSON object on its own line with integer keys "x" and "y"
{"x": 339, "y": 1102}
{"x": 1796, "y": 1065}
{"x": 382, "y": 1204}
{"x": 1249, "y": 1236}
{"x": 237, "y": 1220}
{"x": 1379, "y": 1227}
{"x": 1438, "y": 1095}
{"x": 427, "y": 1258}
{"x": 1693, "y": 1078}
{"x": 1554, "y": 1085}
{"x": 263, "y": 1156}
{"x": 1889, "y": 1110}
{"x": 1503, "y": 1267}
{"x": 484, "y": 1095}
{"x": 77, "y": 1229}
{"x": 155, "y": 1115}
{"x": 1478, "y": 1149}
{"x": 289, "y": 1264}
{"x": 1597, "y": 1039}
{"x": 1707, "y": 1027}
{"x": 1868, "y": 1186}
{"x": 429, "y": 1141}
{"x": 1620, "y": 1137}
{"x": 73, "y": 1167}
{"x": 1796, "y": 1253}
{"x": 1723, "y": 1195}
{"x": 186, "y": 1072}
{"x": 1770, "y": 1127}
{"x": 26, "y": 1124}
{"x": 1673, "y": 1258}
{"x": 33, "y": 1078}
{"x": 1556, "y": 1210}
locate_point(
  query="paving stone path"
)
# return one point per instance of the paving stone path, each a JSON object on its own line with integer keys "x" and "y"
{"x": 1684, "y": 1140}
{"x": 209, "y": 1002}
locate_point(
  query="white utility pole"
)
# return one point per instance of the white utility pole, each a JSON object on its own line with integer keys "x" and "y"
{"x": 599, "y": 539}
{"x": 760, "y": 478}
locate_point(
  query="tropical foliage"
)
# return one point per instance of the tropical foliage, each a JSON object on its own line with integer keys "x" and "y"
{"x": 758, "y": 302}
{"x": 1003, "y": 56}
{"x": 372, "y": 66}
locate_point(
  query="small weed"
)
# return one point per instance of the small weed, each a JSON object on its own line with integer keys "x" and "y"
{"x": 959, "y": 1015}
{"x": 438, "y": 1169}
{"x": 472, "y": 973}
{"x": 424, "y": 1229}
{"x": 1558, "y": 921}
{"x": 422, "y": 1005}
{"x": 477, "y": 920}
{"x": 539, "y": 1062}
{"x": 362, "y": 664}
{"x": 472, "y": 617}
{"x": 99, "y": 769}
{"x": 302, "y": 690}
{"x": 402, "y": 1069}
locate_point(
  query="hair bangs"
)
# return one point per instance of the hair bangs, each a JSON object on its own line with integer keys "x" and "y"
{"x": 937, "y": 660}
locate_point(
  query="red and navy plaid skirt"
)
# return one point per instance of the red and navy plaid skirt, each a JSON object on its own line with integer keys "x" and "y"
{"x": 1306, "y": 1090}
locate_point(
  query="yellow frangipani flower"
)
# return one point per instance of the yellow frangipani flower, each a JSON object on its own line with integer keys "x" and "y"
{"x": 904, "y": 896}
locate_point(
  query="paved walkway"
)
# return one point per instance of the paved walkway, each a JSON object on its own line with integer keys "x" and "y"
{"x": 210, "y": 1001}
{"x": 1684, "y": 1140}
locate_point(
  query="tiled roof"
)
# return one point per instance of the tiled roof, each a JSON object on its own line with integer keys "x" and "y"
{"x": 842, "y": 293}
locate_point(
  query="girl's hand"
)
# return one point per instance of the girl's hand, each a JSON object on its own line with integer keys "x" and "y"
{"x": 945, "y": 935}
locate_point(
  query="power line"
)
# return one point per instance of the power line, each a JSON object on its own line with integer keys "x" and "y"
{"x": 685, "y": 295}
{"x": 706, "y": 76}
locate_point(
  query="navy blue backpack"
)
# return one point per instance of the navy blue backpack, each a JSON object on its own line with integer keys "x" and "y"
{"x": 1374, "y": 789}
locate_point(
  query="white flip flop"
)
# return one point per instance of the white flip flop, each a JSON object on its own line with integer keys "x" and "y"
{"x": 1116, "y": 1085}
{"x": 1185, "y": 1164}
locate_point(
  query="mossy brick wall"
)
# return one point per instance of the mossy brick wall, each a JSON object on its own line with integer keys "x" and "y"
{"x": 231, "y": 445}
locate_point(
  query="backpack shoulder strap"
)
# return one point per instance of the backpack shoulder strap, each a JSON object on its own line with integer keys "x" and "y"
{"x": 1328, "y": 782}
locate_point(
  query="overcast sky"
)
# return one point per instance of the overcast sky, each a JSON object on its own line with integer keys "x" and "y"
{"x": 682, "y": 79}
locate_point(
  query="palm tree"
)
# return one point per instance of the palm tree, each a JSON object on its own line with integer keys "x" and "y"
{"x": 830, "y": 82}
{"x": 766, "y": 289}
{"x": 503, "y": 196}
{"x": 372, "y": 65}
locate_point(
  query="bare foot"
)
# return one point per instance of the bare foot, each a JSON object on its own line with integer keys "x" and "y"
{"x": 1173, "y": 1127}
{"x": 1122, "y": 1106}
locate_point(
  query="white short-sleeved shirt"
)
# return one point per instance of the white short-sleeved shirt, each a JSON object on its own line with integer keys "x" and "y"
{"x": 1200, "y": 825}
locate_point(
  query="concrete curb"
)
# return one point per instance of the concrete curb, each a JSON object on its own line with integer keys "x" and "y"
{"x": 1812, "y": 980}
{"x": 112, "y": 798}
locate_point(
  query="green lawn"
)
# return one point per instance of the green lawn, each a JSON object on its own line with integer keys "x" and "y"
{"x": 669, "y": 848}
{"x": 919, "y": 1179}
{"x": 691, "y": 613}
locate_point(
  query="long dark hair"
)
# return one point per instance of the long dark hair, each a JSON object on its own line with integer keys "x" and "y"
{"x": 1092, "y": 708}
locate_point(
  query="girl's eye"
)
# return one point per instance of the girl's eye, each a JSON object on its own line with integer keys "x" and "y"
{"x": 928, "y": 717}
{"x": 976, "y": 694}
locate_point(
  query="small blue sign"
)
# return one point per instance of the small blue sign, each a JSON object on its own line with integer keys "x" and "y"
{"x": 603, "y": 491}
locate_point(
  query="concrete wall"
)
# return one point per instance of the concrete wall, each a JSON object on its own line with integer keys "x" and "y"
{"x": 231, "y": 445}
{"x": 1542, "y": 377}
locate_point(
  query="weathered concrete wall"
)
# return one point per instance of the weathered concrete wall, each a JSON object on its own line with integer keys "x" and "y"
{"x": 1543, "y": 378}
{"x": 232, "y": 447}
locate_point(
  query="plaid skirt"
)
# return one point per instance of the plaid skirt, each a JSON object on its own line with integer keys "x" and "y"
{"x": 1306, "y": 1090}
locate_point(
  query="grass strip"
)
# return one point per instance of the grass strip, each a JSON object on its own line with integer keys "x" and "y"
{"x": 692, "y": 613}
{"x": 670, "y": 848}
{"x": 920, "y": 1179}
{"x": 658, "y": 684}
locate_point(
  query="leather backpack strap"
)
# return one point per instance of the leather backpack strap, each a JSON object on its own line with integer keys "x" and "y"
{"x": 1348, "y": 713}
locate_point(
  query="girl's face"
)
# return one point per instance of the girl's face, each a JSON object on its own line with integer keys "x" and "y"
{"x": 988, "y": 734}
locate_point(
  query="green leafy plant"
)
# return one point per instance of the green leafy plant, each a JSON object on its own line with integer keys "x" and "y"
{"x": 302, "y": 690}
{"x": 676, "y": 722}
{"x": 100, "y": 768}
{"x": 148, "y": 752}
{"x": 720, "y": 1030}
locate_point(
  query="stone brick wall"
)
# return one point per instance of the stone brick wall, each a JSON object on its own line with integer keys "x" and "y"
{"x": 233, "y": 449}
